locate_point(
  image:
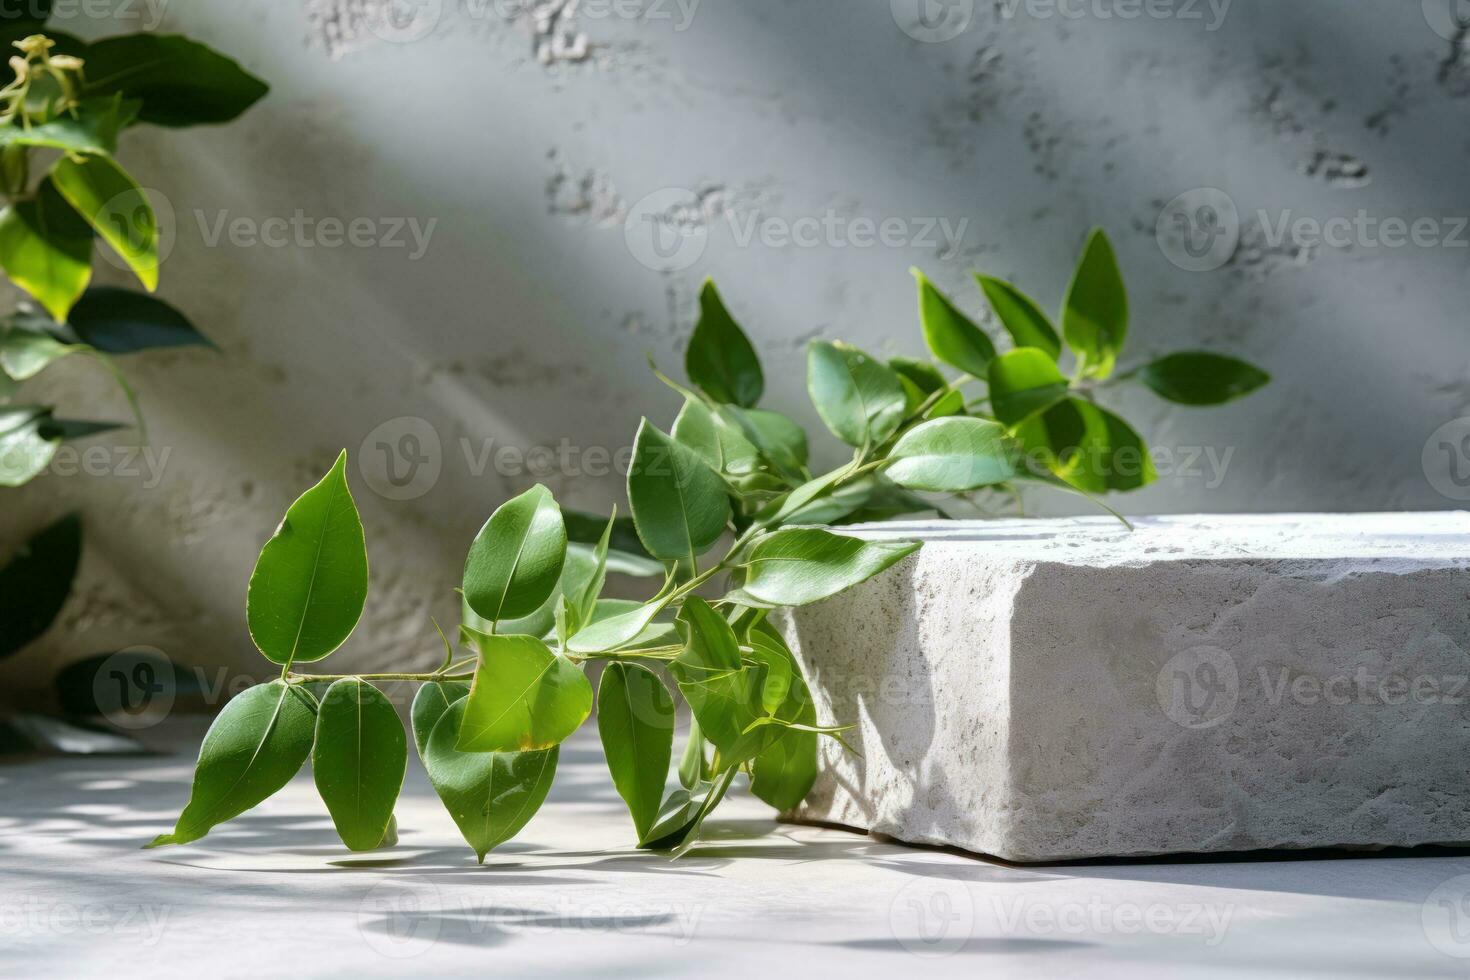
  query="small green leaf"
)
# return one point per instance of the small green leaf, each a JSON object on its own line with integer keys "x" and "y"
{"x": 720, "y": 359}
{"x": 635, "y": 717}
{"x": 515, "y": 562}
{"x": 860, "y": 399}
{"x": 952, "y": 456}
{"x": 91, "y": 127}
{"x": 525, "y": 698}
{"x": 35, "y": 582}
{"x": 615, "y": 628}
{"x": 116, "y": 208}
{"x": 429, "y": 705}
{"x": 26, "y": 351}
{"x": 692, "y": 762}
{"x": 1023, "y": 382}
{"x": 1021, "y": 317}
{"x": 490, "y": 795}
{"x": 1089, "y": 447}
{"x": 784, "y": 772}
{"x": 27, "y": 443}
{"x": 46, "y": 249}
{"x": 724, "y": 693}
{"x": 626, "y": 554}
{"x": 952, "y": 336}
{"x": 256, "y": 744}
{"x": 121, "y": 321}
{"x": 1202, "y": 378}
{"x": 310, "y": 584}
{"x": 680, "y": 506}
{"x": 180, "y": 82}
{"x": 359, "y": 759}
{"x": 797, "y": 566}
{"x": 680, "y": 817}
{"x": 721, "y": 444}
{"x": 1095, "y": 314}
{"x": 781, "y": 441}
{"x": 925, "y": 377}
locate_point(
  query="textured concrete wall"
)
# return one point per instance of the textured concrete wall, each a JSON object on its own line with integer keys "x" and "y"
{"x": 538, "y": 149}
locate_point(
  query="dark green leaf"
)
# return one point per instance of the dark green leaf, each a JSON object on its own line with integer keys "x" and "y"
{"x": 720, "y": 359}
{"x": 1202, "y": 378}
{"x": 798, "y": 566}
{"x": 91, "y": 127}
{"x": 1021, "y": 317}
{"x": 429, "y": 705}
{"x": 1088, "y": 447}
{"x": 952, "y": 456}
{"x": 490, "y": 795}
{"x": 722, "y": 691}
{"x": 783, "y": 773}
{"x": 1095, "y": 314}
{"x": 35, "y": 582}
{"x": 860, "y": 399}
{"x": 925, "y": 377}
{"x": 46, "y": 249}
{"x": 1023, "y": 382}
{"x": 721, "y": 444}
{"x": 626, "y": 554}
{"x": 310, "y": 584}
{"x": 525, "y": 698}
{"x": 780, "y": 440}
{"x": 258, "y": 742}
{"x": 181, "y": 82}
{"x": 30, "y": 13}
{"x": 635, "y": 717}
{"x": 116, "y": 208}
{"x": 952, "y": 336}
{"x": 515, "y": 562}
{"x": 679, "y": 505}
{"x": 121, "y": 321}
{"x": 359, "y": 759}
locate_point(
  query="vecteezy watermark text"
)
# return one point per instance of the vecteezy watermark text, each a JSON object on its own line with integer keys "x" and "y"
{"x": 301, "y": 230}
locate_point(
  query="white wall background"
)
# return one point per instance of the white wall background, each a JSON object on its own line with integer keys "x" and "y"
{"x": 529, "y": 137}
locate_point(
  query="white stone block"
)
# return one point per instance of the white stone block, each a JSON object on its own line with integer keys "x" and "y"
{"x": 1044, "y": 690}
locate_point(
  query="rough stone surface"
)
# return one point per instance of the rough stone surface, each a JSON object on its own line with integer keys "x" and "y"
{"x": 1043, "y": 690}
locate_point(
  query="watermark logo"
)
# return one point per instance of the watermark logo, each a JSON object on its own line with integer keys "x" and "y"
{"x": 135, "y": 688}
{"x": 141, "y": 228}
{"x": 1199, "y": 230}
{"x": 666, "y": 230}
{"x": 933, "y": 21}
{"x": 1198, "y": 688}
{"x": 1446, "y": 459}
{"x": 400, "y": 918}
{"x": 1095, "y": 917}
{"x": 401, "y": 459}
{"x": 403, "y": 21}
{"x": 1210, "y": 13}
{"x": 933, "y": 916}
{"x": 1450, "y": 19}
{"x": 1445, "y": 916}
{"x": 301, "y": 230}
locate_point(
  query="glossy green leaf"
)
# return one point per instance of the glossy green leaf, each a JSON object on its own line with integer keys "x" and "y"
{"x": 27, "y": 443}
{"x": 1021, "y": 317}
{"x": 490, "y": 795}
{"x": 952, "y": 337}
{"x": 952, "y": 456}
{"x": 310, "y": 583}
{"x": 1202, "y": 378}
{"x": 860, "y": 399}
{"x": 723, "y": 692}
{"x": 121, "y": 321}
{"x": 430, "y": 704}
{"x": 721, "y": 444}
{"x": 680, "y": 506}
{"x": 256, "y": 744}
{"x": 797, "y": 566}
{"x": 515, "y": 562}
{"x": 784, "y": 772}
{"x": 180, "y": 82}
{"x": 116, "y": 208}
{"x": 26, "y": 351}
{"x": 626, "y": 554}
{"x": 1023, "y": 382}
{"x": 1088, "y": 447}
{"x": 682, "y": 814}
{"x": 614, "y": 627}
{"x": 1095, "y": 314}
{"x": 780, "y": 440}
{"x": 91, "y": 127}
{"x": 46, "y": 249}
{"x": 35, "y": 582}
{"x": 692, "y": 762}
{"x": 925, "y": 377}
{"x": 635, "y": 717}
{"x": 720, "y": 359}
{"x": 525, "y": 698}
{"x": 358, "y": 760}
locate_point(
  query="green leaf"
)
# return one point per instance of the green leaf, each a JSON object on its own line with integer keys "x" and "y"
{"x": 27, "y": 443}
{"x": 692, "y": 762}
{"x": 680, "y": 506}
{"x": 585, "y": 598}
{"x": 116, "y": 208}
{"x": 515, "y": 562}
{"x": 91, "y": 127}
{"x": 797, "y": 566}
{"x": 784, "y": 772}
{"x": 359, "y": 759}
{"x": 256, "y": 744}
{"x": 35, "y": 582}
{"x": 181, "y": 82}
{"x": 780, "y": 440}
{"x": 626, "y": 554}
{"x": 32, "y": 13}
{"x": 121, "y": 321}
{"x": 952, "y": 456}
{"x": 1095, "y": 314}
{"x": 721, "y": 444}
{"x": 635, "y": 717}
{"x": 860, "y": 399}
{"x": 46, "y": 249}
{"x": 1023, "y": 382}
{"x": 724, "y": 693}
{"x": 720, "y": 359}
{"x": 614, "y": 627}
{"x": 310, "y": 583}
{"x": 490, "y": 795}
{"x": 1021, "y": 317}
{"x": 430, "y": 704}
{"x": 925, "y": 377}
{"x": 680, "y": 817}
{"x": 576, "y": 574}
{"x": 952, "y": 336}
{"x": 1202, "y": 378}
{"x": 26, "y": 351}
{"x": 525, "y": 698}
{"x": 1088, "y": 447}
